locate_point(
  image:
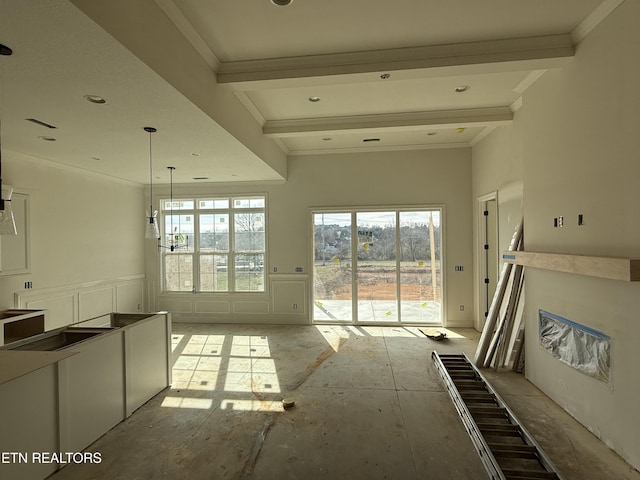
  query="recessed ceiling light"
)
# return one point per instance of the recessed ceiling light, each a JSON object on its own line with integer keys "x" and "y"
{"x": 281, "y": 3}
{"x": 462, "y": 88}
{"x": 95, "y": 99}
{"x": 314, "y": 99}
{"x": 384, "y": 76}
{"x": 47, "y": 139}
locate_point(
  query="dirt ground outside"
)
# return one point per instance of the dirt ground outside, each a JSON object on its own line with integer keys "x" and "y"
{"x": 376, "y": 282}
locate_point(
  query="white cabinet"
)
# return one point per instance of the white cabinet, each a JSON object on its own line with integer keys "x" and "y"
{"x": 62, "y": 390}
{"x": 147, "y": 356}
{"x": 29, "y": 419}
{"x": 91, "y": 391}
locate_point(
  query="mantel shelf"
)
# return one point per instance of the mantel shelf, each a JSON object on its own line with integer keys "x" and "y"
{"x": 614, "y": 268}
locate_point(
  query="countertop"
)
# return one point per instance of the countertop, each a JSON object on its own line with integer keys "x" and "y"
{"x": 14, "y": 364}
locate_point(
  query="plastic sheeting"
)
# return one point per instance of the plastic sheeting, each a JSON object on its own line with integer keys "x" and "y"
{"x": 580, "y": 347}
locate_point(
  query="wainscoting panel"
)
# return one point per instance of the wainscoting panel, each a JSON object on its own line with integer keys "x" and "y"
{"x": 129, "y": 297}
{"x": 288, "y": 296}
{"x": 96, "y": 303}
{"x": 220, "y": 307}
{"x": 73, "y": 303}
{"x": 61, "y": 309}
{"x": 175, "y": 306}
{"x": 249, "y": 307}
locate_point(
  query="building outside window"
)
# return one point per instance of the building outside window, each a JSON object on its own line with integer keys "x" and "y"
{"x": 220, "y": 244}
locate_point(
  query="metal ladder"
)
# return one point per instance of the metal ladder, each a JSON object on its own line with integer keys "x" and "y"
{"x": 506, "y": 449}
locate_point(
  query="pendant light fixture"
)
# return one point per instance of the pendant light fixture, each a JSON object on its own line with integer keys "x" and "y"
{"x": 177, "y": 240}
{"x": 7, "y": 220}
{"x": 151, "y": 229}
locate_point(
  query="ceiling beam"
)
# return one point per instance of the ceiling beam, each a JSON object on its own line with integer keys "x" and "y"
{"x": 387, "y": 122}
{"x": 529, "y": 53}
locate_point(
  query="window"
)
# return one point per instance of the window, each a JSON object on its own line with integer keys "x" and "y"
{"x": 222, "y": 244}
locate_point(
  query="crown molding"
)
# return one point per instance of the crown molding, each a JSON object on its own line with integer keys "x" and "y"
{"x": 594, "y": 19}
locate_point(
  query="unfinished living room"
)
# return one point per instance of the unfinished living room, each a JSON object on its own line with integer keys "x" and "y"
{"x": 300, "y": 239}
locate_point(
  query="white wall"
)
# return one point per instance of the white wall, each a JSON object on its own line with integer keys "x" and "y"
{"x": 84, "y": 228}
{"x": 577, "y": 132}
{"x": 497, "y": 166}
{"x": 424, "y": 177}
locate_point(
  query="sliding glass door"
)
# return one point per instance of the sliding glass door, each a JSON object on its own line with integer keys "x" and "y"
{"x": 419, "y": 266}
{"x": 377, "y": 266}
{"x": 376, "y": 269}
{"x": 332, "y": 271}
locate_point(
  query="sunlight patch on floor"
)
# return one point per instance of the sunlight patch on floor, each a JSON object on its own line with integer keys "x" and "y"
{"x": 239, "y": 364}
{"x": 187, "y": 402}
{"x": 175, "y": 341}
{"x": 333, "y": 335}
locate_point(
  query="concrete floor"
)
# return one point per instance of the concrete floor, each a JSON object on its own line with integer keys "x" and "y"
{"x": 369, "y": 404}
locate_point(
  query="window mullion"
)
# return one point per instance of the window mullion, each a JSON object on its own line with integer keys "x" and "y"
{"x": 398, "y": 267}
{"x": 231, "y": 261}
{"x": 196, "y": 251}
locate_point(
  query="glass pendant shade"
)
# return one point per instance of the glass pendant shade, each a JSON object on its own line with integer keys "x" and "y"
{"x": 152, "y": 230}
{"x": 7, "y": 221}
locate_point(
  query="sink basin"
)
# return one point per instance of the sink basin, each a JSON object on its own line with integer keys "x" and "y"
{"x": 59, "y": 340}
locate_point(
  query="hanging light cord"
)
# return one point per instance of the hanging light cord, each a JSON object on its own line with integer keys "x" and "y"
{"x": 1, "y": 199}
{"x": 4, "y": 51}
{"x": 150, "y": 180}
{"x": 171, "y": 196}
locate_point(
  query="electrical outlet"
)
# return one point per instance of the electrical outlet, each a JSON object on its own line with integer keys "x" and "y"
{"x": 295, "y": 306}
{"x": 298, "y": 269}
{"x": 275, "y": 269}
{"x": 28, "y": 285}
{"x": 462, "y": 308}
{"x": 459, "y": 268}
{"x": 560, "y": 221}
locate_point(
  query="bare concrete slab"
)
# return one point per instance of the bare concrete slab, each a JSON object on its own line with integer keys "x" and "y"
{"x": 369, "y": 404}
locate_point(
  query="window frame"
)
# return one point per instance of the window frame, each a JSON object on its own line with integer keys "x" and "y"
{"x": 195, "y": 251}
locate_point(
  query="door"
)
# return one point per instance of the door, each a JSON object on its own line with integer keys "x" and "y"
{"x": 487, "y": 255}
{"x": 377, "y": 266}
{"x": 332, "y": 269}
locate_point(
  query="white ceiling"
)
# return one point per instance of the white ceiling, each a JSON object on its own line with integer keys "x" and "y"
{"x": 272, "y": 59}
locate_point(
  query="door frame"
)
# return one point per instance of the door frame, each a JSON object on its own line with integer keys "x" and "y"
{"x": 480, "y": 256}
{"x": 353, "y": 210}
